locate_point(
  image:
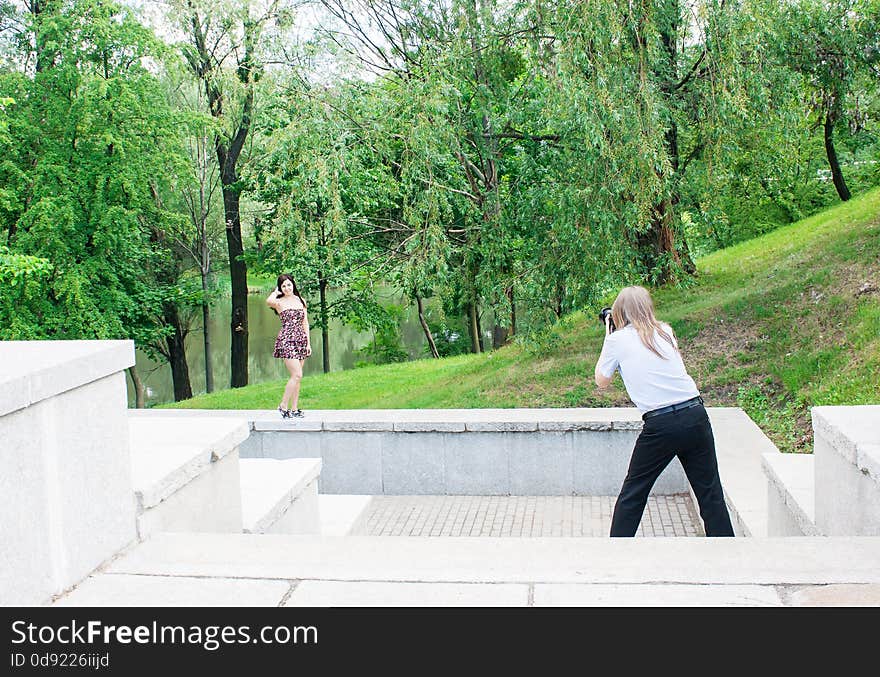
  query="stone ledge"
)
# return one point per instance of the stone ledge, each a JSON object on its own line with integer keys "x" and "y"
{"x": 763, "y": 561}
{"x": 358, "y": 426}
{"x": 428, "y": 420}
{"x": 303, "y": 425}
{"x": 500, "y": 427}
{"x": 572, "y": 426}
{"x": 428, "y": 427}
{"x": 739, "y": 446}
{"x": 166, "y": 454}
{"x": 792, "y": 476}
{"x": 854, "y": 433}
{"x": 269, "y": 486}
{"x": 34, "y": 371}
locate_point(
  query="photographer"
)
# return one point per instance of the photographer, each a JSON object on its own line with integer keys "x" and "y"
{"x": 675, "y": 421}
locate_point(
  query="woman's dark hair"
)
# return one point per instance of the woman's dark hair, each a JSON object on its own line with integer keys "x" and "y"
{"x": 281, "y": 279}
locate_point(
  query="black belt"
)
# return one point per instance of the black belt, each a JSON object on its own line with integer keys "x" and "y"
{"x": 687, "y": 404}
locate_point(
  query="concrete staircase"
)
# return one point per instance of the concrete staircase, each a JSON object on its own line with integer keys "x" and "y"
{"x": 835, "y": 491}
{"x": 114, "y": 507}
{"x": 188, "y": 477}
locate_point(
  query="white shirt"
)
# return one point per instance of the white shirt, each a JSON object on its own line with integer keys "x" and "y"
{"x": 651, "y": 382}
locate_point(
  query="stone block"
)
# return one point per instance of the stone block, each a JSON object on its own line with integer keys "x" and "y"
{"x": 352, "y": 463}
{"x": 281, "y": 445}
{"x": 34, "y": 371}
{"x": 65, "y": 469}
{"x": 27, "y": 574}
{"x": 310, "y": 424}
{"x": 342, "y": 514}
{"x": 358, "y": 426}
{"x": 847, "y": 452}
{"x": 280, "y": 496}
{"x": 413, "y": 464}
{"x": 209, "y": 502}
{"x": 600, "y": 459}
{"x": 252, "y": 447}
{"x": 662, "y": 594}
{"x": 501, "y": 426}
{"x": 473, "y": 468}
{"x": 540, "y": 464}
{"x": 790, "y": 494}
{"x": 302, "y": 515}
{"x": 429, "y": 426}
{"x": 571, "y": 426}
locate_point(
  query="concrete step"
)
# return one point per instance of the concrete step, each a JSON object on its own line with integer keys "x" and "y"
{"x": 791, "y": 500}
{"x": 185, "y": 473}
{"x": 280, "y": 497}
{"x": 342, "y": 514}
{"x": 335, "y": 571}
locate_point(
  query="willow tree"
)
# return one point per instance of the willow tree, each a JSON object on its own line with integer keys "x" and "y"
{"x": 456, "y": 71}
{"x": 657, "y": 80}
{"x": 323, "y": 190}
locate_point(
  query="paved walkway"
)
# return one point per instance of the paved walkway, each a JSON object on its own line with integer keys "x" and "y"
{"x": 525, "y": 516}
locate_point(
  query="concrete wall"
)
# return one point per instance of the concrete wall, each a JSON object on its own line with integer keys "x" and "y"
{"x": 847, "y": 452}
{"x": 790, "y": 494}
{"x": 211, "y": 502}
{"x": 537, "y": 463}
{"x": 65, "y": 477}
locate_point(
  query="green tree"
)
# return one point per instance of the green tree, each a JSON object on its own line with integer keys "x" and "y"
{"x": 322, "y": 189}
{"x": 91, "y": 139}
{"x": 835, "y": 46}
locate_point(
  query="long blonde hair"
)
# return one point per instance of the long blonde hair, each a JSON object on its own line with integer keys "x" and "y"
{"x": 633, "y": 306}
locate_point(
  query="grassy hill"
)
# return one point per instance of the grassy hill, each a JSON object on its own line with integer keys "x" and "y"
{"x": 773, "y": 325}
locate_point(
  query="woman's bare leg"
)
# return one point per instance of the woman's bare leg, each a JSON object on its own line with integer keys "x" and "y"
{"x": 291, "y": 389}
{"x": 294, "y": 396}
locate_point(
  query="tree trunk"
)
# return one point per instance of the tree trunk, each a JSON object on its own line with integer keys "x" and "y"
{"x": 425, "y": 328}
{"x": 836, "y": 173}
{"x": 205, "y": 270}
{"x": 501, "y": 335}
{"x": 473, "y": 328}
{"x": 659, "y": 245}
{"x": 228, "y": 149}
{"x": 139, "y": 389}
{"x": 512, "y": 310}
{"x": 177, "y": 354}
{"x": 206, "y": 332}
{"x": 325, "y": 324}
{"x": 238, "y": 276}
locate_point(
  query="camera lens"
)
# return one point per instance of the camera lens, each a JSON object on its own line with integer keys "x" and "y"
{"x": 606, "y": 313}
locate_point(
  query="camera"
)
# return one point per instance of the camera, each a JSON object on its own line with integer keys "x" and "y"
{"x": 606, "y": 312}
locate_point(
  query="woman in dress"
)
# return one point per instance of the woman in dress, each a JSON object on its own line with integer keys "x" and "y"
{"x": 293, "y": 344}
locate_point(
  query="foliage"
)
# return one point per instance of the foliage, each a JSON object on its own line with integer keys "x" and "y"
{"x": 90, "y": 140}
{"x": 386, "y": 347}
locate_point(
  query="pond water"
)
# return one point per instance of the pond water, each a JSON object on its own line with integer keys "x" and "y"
{"x": 264, "y": 325}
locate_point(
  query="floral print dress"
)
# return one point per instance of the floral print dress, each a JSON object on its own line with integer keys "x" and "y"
{"x": 292, "y": 341}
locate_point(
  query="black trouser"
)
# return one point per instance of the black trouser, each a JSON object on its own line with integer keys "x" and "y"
{"x": 687, "y": 434}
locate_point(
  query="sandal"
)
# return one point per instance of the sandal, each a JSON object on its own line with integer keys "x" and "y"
{"x": 285, "y": 413}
